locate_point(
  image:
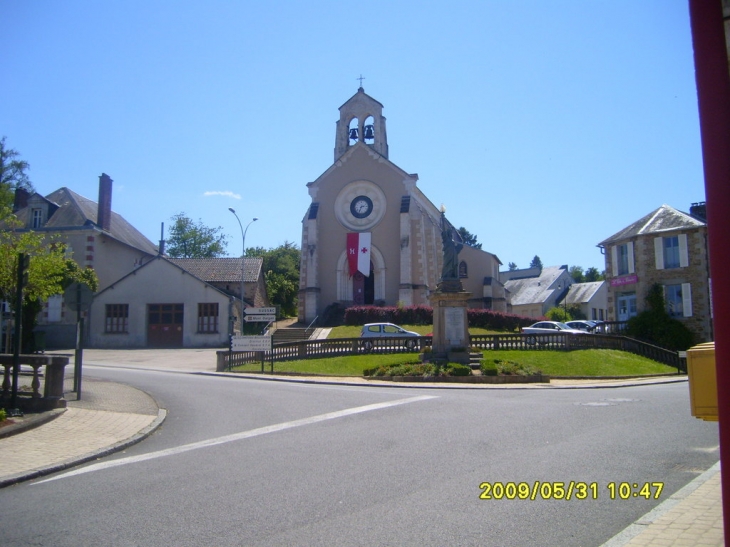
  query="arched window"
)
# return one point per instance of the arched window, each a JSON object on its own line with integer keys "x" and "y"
{"x": 353, "y": 133}
{"x": 368, "y": 129}
{"x": 463, "y": 269}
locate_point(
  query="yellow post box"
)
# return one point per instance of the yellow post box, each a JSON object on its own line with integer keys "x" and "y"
{"x": 702, "y": 381}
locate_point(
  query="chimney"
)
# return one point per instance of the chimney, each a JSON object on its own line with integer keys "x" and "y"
{"x": 699, "y": 211}
{"x": 21, "y": 199}
{"x": 104, "y": 213}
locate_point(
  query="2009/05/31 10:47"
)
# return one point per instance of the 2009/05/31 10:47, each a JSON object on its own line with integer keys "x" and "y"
{"x": 566, "y": 491}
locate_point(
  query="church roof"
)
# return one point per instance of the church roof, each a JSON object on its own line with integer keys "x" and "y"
{"x": 663, "y": 219}
{"x": 361, "y": 93}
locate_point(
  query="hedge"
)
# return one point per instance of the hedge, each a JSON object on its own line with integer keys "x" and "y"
{"x": 423, "y": 315}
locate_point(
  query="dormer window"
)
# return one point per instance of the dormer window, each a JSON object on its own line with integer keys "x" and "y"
{"x": 36, "y": 220}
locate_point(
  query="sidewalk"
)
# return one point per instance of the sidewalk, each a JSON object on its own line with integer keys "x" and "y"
{"x": 112, "y": 416}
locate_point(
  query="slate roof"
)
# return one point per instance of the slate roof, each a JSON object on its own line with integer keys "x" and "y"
{"x": 664, "y": 219}
{"x": 221, "y": 270}
{"x": 75, "y": 211}
{"x": 583, "y": 292}
{"x": 534, "y": 290}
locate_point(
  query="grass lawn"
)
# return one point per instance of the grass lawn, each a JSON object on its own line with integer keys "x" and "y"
{"x": 587, "y": 362}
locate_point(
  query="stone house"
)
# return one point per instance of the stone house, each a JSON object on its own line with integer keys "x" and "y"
{"x": 666, "y": 247}
{"x": 96, "y": 237}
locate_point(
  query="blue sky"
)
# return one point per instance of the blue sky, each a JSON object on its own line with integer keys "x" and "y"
{"x": 544, "y": 127}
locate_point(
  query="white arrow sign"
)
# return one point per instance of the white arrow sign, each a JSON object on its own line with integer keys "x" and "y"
{"x": 259, "y": 318}
{"x": 260, "y": 311}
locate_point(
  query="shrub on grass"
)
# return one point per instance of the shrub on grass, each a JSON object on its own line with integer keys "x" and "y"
{"x": 457, "y": 369}
{"x": 488, "y": 368}
{"x": 495, "y": 367}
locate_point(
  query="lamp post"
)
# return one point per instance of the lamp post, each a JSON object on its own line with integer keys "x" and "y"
{"x": 243, "y": 255}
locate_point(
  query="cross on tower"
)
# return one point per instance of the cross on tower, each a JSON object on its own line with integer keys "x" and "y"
{"x": 361, "y": 79}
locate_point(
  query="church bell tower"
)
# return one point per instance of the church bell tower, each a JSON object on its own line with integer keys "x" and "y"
{"x": 361, "y": 120}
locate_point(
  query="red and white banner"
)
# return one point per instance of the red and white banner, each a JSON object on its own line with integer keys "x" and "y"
{"x": 358, "y": 253}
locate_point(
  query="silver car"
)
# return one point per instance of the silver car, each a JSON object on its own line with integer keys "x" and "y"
{"x": 384, "y": 330}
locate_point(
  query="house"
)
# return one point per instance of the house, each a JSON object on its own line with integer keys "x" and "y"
{"x": 160, "y": 304}
{"x": 590, "y": 298}
{"x": 533, "y": 291}
{"x": 370, "y": 236}
{"x": 665, "y": 247}
{"x": 96, "y": 237}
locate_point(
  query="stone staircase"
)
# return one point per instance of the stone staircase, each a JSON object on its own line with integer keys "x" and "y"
{"x": 475, "y": 358}
{"x": 290, "y": 334}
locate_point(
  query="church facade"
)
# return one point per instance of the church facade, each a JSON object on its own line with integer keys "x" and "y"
{"x": 370, "y": 236}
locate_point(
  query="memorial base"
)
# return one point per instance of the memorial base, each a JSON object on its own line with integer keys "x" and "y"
{"x": 450, "y": 323}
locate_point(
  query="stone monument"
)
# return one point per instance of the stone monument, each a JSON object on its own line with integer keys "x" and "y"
{"x": 449, "y": 303}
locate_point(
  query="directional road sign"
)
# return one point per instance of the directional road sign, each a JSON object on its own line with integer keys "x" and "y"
{"x": 259, "y": 318}
{"x": 260, "y": 311}
{"x": 251, "y": 343}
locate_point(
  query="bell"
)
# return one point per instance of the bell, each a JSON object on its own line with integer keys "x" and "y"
{"x": 353, "y": 133}
{"x": 369, "y": 132}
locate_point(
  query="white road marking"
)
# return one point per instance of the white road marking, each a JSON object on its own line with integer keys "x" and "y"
{"x": 240, "y": 436}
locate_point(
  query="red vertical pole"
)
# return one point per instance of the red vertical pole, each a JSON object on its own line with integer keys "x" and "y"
{"x": 713, "y": 93}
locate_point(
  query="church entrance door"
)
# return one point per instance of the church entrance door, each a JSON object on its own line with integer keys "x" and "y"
{"x": 363, "y": 288}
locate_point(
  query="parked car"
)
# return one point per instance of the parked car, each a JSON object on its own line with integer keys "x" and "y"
{"x": 548, "y": 327}
{"x": 582, "y": 324}
{"x": 384, "y": 330}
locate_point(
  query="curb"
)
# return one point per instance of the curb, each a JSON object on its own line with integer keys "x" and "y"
{"x": 323, "y": 381}
{"x": 72, "y": 462}
{"x": 31, "y": 423}
{"x": 637, "y": 527}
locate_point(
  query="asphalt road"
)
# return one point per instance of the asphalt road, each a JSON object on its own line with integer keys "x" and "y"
{"x": 249, "y": 462}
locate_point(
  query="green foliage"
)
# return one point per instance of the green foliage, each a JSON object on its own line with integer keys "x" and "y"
{"x": 187, "y": 239}
{"x": 281, "y": 272}
{"x": 12, "y": 175}
{"x": 423, "y": 315}
{"x": 416, "y": 368}
{"x": 655, "y": 325}
{"x": 488, "y": 367}
{"x": 559, "y": 313}
{"x": 468, "y": 238}
{"x": 576, "y": 272}
{"x": 536, "y": 262}
{"x": 512, "y": 266}
{"x": 513, "y": 368}
{"x": 3, "y": 415}
{"x": 592, "y": 274}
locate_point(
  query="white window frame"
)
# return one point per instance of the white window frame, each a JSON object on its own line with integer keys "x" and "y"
{"x": 659, "y": 251}
{"x": 629, "y": 255}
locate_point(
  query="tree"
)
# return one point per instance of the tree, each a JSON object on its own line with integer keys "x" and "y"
{"x": 12, "y": 175}
{"x": 281, "y": 273}
{"x": 186, "y": 239}
{"x": 468, "y": 238}
{"x": 536, "y": 262}
{"x": 49, "y": 271}
{"x": 576, "y": 272}
{"x": 592, "y": 274}
{"x": 512, "y": 266}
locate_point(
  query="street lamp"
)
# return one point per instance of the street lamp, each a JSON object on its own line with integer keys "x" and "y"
{"x": 243, "y": 255}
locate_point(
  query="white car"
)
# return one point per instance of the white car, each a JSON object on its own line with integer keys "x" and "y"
{"x": 384, "y": 330}
{"x": 550, "y": 327}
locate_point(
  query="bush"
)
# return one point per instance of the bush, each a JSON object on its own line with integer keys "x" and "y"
{"x": 423, "y": 315}
{"x": 507, "y": 368}
{"x": 424, "y": 370}
{"x": 457, "y": 369}
{"x": 3, "y": 415}
{"x": 655, "y": 325}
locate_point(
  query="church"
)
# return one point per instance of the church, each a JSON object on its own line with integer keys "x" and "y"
{"x": 371, "y": 237}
